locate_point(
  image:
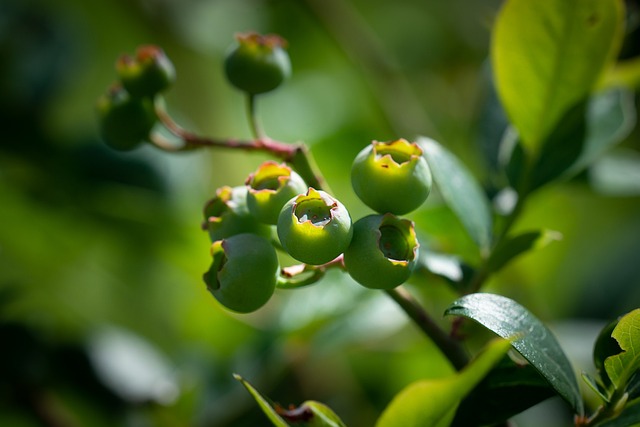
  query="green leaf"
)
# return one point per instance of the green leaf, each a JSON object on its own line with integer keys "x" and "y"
{"x": 309, "y": 414}
{"x": 548, "y": 55}
{"x": 507, "y": 390}
{"x": 264, "y": 403}
{"x": 621, "y": 367}
{"x": 633, "y": 388}
{"x": 585, "y": 132}
{"x": 323, "y": 416}
{"x": 432, "y": 403}
{"x": 604, "y": 347}
{"x": 562, "y": 147}
{"x": 610, "y": 117}
{"x": 624, "y": 73}
{"x": 596, "y": 387}
{"x": 530, "y": 338}
{"x": 510, "y": 248}
{"x": 629, "y": 417}
{"x": 460, "y": 190}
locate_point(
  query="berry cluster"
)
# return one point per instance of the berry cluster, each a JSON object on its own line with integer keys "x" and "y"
{"x": 126, "y": 110}
{"x": 275, "y": 209}
{"x": 281, "y": 206}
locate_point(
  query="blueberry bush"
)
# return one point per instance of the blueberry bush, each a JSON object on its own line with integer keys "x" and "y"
{"x": 333, "y": 221}
{"x": 551, "y": 66}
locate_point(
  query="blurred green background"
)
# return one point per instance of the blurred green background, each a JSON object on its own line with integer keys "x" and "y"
{"x": 104, "y": 319}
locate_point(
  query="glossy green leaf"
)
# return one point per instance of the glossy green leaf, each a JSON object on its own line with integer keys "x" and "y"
{"x": 629, "y": 417}
{"x": 460, "y": 190}
{"x": 621, "y": 367}
{"x": 507, "y": 390}
{"x": 432, "y": 403}
{"x": 514, "y": 246}
{"x": 548, "y": 55}
{"x": 264, "y": 403}
{"x": 532, "y": 339}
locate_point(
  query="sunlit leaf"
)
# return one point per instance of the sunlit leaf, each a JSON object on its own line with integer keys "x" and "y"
{"x": 264, "y": 404}
{"x": 323, "y": 416}
{"x": 514, "y": 246}
{"x": 309, "y": 414}
{"x": 548, "y": 55}
{"x": 532, "y": 339}
{"x": 624, "y": 73}
{"x": 432, "y": 403}
{"x": 621, "y": 367}
{"x": 460, "y": 190}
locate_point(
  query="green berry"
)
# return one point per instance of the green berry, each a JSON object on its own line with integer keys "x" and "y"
{"x": 383, "y": 251}
{"x": 227, "y": 214}
{"x": 269, "y": 188}
{"x": 148, "y": 74}
{"x": 243, "y": 273}
{"x": 391, "y": 176}
{"x": 314, "y": 228}
{"x": 257, "y": 63}
{"x": 125, "y": 122}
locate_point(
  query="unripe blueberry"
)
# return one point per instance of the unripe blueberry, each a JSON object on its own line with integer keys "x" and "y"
{"x": 148, "y": 74}
{"x": 314, "y": 228}
{"x": 227, "y": 214}
{"x": 257, "y": 63}
{"x": 383, "y": 251}
{"x": 125, "y": 122}
{"x": 269, "y": 188}
{"x": 391, "y": 176}
{"x": 243, "y": 273}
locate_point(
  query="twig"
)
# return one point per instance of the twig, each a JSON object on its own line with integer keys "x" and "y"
{"x": 451, "y": 348}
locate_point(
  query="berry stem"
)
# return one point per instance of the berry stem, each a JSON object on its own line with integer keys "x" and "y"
{"x": 296, "y": 276}
{"x": 450, "y": 347}
{"x": 252, "y": 115}
{"x": 297, "y": 155}
{"x": 483, "y": 273}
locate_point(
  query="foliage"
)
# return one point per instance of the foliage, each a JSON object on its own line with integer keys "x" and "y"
{"x": 559, "y": 100}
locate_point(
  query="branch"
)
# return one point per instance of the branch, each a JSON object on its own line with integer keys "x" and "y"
{"x": 297, "y": 155}
{"x": 450, "y": 347}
